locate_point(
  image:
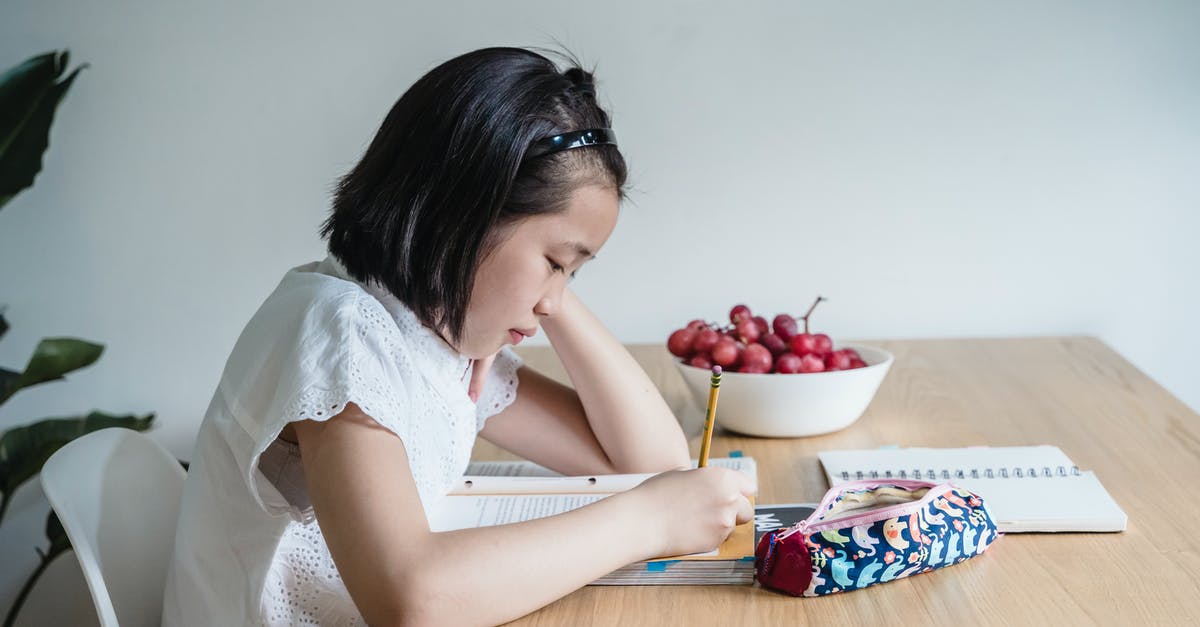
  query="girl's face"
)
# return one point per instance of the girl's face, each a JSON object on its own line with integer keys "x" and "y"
{"x": 523, "y": 279}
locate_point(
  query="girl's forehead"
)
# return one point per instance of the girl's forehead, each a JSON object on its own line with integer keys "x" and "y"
{"x": 589, "y": 215}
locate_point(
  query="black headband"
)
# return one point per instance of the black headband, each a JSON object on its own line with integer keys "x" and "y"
{"x": 574, "y": 139}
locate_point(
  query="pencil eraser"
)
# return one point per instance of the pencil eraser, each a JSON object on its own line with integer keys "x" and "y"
{"x": 716, "y": 370}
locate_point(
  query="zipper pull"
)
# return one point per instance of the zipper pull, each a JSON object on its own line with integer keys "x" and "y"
{"x": 796, "y": 528}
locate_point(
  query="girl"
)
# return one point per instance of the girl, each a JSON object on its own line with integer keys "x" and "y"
{"x": 352, "y": 399}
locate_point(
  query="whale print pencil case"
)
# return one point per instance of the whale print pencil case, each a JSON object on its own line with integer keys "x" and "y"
{"x": 869, "y": 532}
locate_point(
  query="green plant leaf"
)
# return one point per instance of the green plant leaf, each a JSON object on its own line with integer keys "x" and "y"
{"x": 29, "y": 96}
{"x": 56, "y": 535}
{"x": 23, "y": 450}
{"x": 22, "y": 87}
{"x": 53, "y": 358}
{"x": 8, "y": 378}
{"x": 58, "y": 543}
{"x": 8, "y": 381}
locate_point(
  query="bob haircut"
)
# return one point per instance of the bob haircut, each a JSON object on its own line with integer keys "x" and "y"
{"x": 446, "y": 174}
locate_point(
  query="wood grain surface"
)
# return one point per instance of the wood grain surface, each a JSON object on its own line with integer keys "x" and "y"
{"x": 1072, "y": 392}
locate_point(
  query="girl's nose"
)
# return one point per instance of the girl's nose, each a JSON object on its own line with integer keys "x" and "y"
{"x": 547, "y": 305}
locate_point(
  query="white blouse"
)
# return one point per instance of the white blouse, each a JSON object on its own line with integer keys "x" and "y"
{"x": 248, "y": 550}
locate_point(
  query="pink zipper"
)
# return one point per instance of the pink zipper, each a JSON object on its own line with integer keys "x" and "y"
{"x": 814, "y": 524}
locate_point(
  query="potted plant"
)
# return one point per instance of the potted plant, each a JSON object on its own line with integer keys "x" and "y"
{"x": 29, "y": 96}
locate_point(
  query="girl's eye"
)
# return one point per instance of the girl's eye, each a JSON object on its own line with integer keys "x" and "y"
{"x": 556, "y": 267}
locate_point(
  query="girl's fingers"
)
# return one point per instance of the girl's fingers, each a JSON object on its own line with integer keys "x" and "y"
{"x": 745, "y": 512}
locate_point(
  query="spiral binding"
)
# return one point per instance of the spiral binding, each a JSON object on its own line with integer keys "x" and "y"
{"x": 1017, "y": 472}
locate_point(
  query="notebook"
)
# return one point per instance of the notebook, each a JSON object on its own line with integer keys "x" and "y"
{"x": 1025, "y": 488}
{"x": 497, "y": 493}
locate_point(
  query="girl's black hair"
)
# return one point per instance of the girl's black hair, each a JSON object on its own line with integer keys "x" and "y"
{"x": 446, "y": 173}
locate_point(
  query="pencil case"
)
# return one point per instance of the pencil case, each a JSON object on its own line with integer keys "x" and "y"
{"x": 875, "y": 531}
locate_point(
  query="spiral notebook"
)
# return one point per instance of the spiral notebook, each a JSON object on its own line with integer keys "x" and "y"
{"x": 1026, "y": 488}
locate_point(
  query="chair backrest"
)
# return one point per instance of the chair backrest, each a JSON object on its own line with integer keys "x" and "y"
{"x": 117, "y": 494}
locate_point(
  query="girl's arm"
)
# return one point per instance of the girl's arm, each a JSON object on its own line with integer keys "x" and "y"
{"x": 614, "y": 420}
{"x": 398, "y": 572}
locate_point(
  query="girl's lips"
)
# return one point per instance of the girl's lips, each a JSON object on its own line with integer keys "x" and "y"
{"x": 515, "y": 336}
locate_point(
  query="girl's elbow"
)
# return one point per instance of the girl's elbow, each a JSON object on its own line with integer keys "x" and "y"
{"x": 679, "y": 460}
{"x": 406, "y": 606}
{"x": 407, "y": 616}
{"x": 662, "y": 462}
{"x": 676, "y": 455}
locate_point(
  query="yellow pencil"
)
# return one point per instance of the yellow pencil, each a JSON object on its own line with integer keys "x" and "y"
{"x": 706, "y": 442}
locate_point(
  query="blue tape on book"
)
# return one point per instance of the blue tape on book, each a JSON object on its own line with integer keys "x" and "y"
{"x": 735, "y": 453}
{"x": 659, "y": 567}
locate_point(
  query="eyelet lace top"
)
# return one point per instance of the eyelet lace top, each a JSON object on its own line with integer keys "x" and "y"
{"x": 248, "y": 548}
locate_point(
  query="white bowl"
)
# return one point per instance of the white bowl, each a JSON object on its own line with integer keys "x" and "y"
{"x": 792, "y": 405}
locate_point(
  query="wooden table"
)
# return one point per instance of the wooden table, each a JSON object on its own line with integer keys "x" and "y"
{"x": 1073, "y": 392}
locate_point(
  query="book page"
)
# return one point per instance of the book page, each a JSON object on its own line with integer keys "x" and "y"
{"x": 464, "y": 512}
{"x": 502, "y": 492}
{"x": 1070, "y": 503}
{"x": 781, "y": 516}
{"x": 530, "y": 469}
{"x": 1025, "y": 488}
{"x": 598, "y": 484}
{"x": 945, "y": 464}
{"x": 470, "y": 511}
{"x": 508, "y": 469}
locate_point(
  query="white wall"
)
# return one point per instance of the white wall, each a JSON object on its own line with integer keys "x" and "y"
{"x": 934, "y": 168}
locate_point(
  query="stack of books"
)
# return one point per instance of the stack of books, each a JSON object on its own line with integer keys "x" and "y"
{"x": 497, "y": 493}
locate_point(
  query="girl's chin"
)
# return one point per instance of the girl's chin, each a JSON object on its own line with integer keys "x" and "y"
{"x": 482, "y": 348}
{"x": 482, "y": 353}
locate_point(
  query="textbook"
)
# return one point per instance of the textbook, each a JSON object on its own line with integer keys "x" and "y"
{"x": 497, "y": 493}
{"x": 780, "y": 516}
{"x": 1025, "y": 488}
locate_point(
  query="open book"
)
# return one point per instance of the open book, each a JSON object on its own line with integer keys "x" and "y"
{"x": 497, "y": 493}
{"x": 1025, "y": 488}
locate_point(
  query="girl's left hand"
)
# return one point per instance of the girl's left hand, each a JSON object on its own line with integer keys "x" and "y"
{"x": 479, "y": 371}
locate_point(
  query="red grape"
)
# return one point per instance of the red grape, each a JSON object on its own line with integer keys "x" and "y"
{"x": 785, "y": 326}
{"x": 725, "y": 352}
{"x": 680, "y": 342}
{"x": 811, "y": 363}
{"x": 747, "y": 330}
{"x": 803, "y": 344}
{"x": 774, "y": 344}
{"x": 750, "y": 344}
{"x": 837, "y": 360}
{"x": 763, "y": 327}
{"x": 788, "y": 363}
{"x": 756, "y": 357}
{"x": 822, "y": 345}
{"x": 704, "y": 341}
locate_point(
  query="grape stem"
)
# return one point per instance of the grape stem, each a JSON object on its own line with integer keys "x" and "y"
{"x": 810, "y": 310}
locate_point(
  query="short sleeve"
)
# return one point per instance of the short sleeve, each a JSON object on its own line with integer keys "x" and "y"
{"x": 313, "y": 362}
{"x": 499, "y": 388}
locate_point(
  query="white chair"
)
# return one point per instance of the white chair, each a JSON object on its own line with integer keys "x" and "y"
{"x": 117, "y": 494}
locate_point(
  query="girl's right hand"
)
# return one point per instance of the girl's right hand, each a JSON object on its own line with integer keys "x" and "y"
{"x": 695, "y": 510}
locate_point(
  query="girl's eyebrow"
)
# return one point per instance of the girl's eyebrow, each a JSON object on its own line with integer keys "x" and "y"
{"x": 581, "y": 251}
